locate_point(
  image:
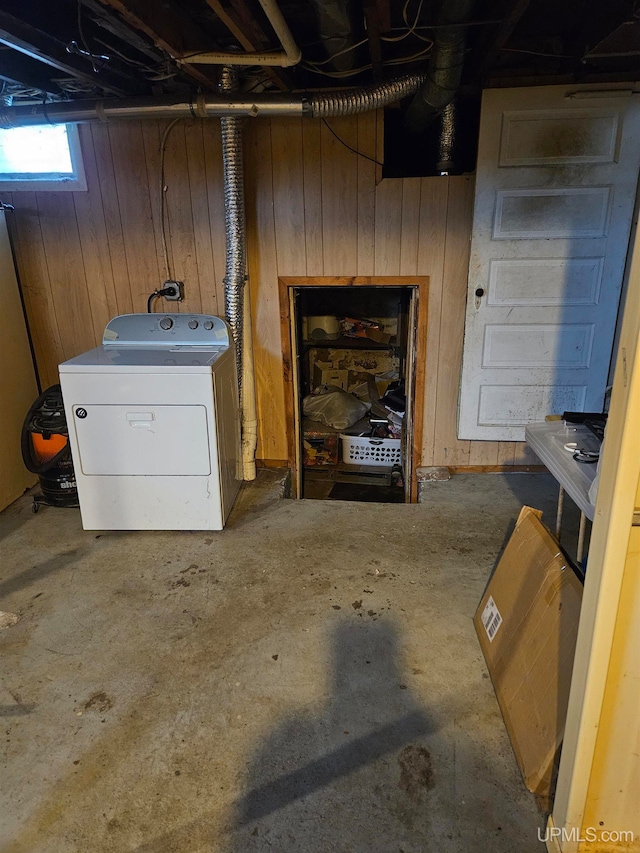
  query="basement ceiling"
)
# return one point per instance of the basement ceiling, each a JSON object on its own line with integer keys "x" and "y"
{"x": 74, "y": 49}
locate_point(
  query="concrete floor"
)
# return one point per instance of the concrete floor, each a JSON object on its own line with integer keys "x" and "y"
{"x": 308, "y": 680}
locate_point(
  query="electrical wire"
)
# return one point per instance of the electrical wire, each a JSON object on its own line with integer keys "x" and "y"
{"x": 354, "y": 71}
{"x": 316, "y": 66}
{"x": 339, "y": 53}
{"x": 163, "y": 191}
{"x": 90, "y": 55}
{"x": 412, "y": 28}
{"x": 346, "y": 145}
{"x": 537, "y": 53}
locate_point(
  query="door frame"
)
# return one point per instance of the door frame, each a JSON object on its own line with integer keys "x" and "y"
{"x": 420, "y": 283}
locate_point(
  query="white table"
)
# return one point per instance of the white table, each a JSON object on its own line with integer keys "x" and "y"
{"x": 548, "y": 441}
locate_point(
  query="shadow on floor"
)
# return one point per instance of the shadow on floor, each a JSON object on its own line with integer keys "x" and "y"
{"x": 36, "y": 573}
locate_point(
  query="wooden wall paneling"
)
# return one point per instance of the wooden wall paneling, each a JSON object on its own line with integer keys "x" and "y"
{"x": 263, "y": 273}
{"x": 448, "y": 450}
{"x": 312, "y": 189}
{"x": 18, "y": 387}
{"x": 483, "y": 452}
{"x": 151, "y": 138}
{"x": 108, "y": 240}
{"x": 202, "y": 229}
{"x": 366, "y": 144}
{"x": 388, "y": 227}
{"x": 112, "y": 218}
{"x": 379, "y": 131}
{"x": 434, "y": 194}
{"x": 180, "y": 225}
{"x": 288, "y": 195}
{"x": 66, "y": 271}
{"x": 523, "y": 454}
{"x": 506, "y": 452}
{"x": 33, "y": 274}
{"x": 132, "y": 185}
{"x": 340, "y": 197}
{"x": 212, "y": 142}
{"x": 410, "y": 226}
{"x": 94, "y": 241}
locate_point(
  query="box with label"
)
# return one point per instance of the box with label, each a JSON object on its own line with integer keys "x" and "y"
{"x": 527, "y": 624}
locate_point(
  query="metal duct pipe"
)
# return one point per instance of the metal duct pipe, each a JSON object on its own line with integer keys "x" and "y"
{"x": 447, "y": 138}
{"x": 363, "y": 98}
{"x": 334, "y": 24}
{"x": 234, "y": 219}
{"x": 236, "y": 296}
{"x": 317, "y": 105}
{"x": 445, "y": 66}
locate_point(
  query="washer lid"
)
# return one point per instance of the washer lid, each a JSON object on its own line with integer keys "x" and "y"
{"x": 130, "y": 359}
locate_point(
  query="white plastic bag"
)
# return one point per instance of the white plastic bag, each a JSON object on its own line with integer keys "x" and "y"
{"x": 334, "y": 407}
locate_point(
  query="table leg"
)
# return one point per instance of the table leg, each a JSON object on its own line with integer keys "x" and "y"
{"x": 583, "y": 525}
{"x": 559, "y": 514}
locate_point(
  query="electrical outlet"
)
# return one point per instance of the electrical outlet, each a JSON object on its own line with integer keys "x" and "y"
{"x": 173, "y": 290}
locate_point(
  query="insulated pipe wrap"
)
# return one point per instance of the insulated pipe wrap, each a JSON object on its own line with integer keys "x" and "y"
{"x": 364, "y": 98}
{"x": 234, "y": 218}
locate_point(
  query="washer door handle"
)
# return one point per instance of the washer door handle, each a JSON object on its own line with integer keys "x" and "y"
{"x": 140, "y": 420}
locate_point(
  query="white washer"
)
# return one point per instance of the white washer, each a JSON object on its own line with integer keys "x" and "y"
{"x": 154, "y": 424}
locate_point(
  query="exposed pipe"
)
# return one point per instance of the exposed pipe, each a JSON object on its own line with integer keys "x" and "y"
{"x": 248, "y": 396}
{"x": 316, "y": 105}
{"x": 289, "y": 55}
{"x": 444, "y": 71}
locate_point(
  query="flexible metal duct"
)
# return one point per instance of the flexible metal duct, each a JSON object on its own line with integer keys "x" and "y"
{"x": 445, "y": 66}
{"x": 361, "y": 99}
{"x": 224, "y": 103}
{"x": 234, "y": 220}
{"x": 447, "y": 139}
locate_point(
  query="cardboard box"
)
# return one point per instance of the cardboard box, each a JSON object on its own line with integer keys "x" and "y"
{"x": 377, "y": 335}
{"x": 527, "y": 624}
{"x": 326, "y": 374}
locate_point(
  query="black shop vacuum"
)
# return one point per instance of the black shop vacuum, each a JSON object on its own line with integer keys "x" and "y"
{"x": 46, "y": 451}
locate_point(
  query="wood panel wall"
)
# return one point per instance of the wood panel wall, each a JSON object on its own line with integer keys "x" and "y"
{"x": 313, "y": 208}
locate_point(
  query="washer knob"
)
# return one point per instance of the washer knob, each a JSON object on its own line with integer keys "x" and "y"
{"x": 208, "y": 325}
{"x": 166, "y": 323}
{"x": 193, "y": 324}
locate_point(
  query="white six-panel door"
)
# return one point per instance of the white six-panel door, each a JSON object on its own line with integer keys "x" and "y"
{"x": 555, "y": 193}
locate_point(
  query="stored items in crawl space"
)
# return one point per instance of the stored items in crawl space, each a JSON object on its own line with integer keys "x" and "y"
{"x": 353, "y": 359}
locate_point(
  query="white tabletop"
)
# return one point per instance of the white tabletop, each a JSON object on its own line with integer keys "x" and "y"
{"x": 548, "y": 440}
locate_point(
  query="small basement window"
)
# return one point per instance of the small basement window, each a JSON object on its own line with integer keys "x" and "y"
{"x": 41, "y": 157}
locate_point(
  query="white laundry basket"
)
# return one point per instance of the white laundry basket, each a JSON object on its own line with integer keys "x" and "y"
{"x": 378, "y": 452}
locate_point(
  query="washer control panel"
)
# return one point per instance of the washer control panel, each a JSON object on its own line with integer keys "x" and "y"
{"x": 171, "y": 330}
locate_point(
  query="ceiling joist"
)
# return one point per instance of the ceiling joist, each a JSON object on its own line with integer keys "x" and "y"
{"x": 170, "y": 29}
{"x": 41, "y": 47}
{"x": 489, "y": 47}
